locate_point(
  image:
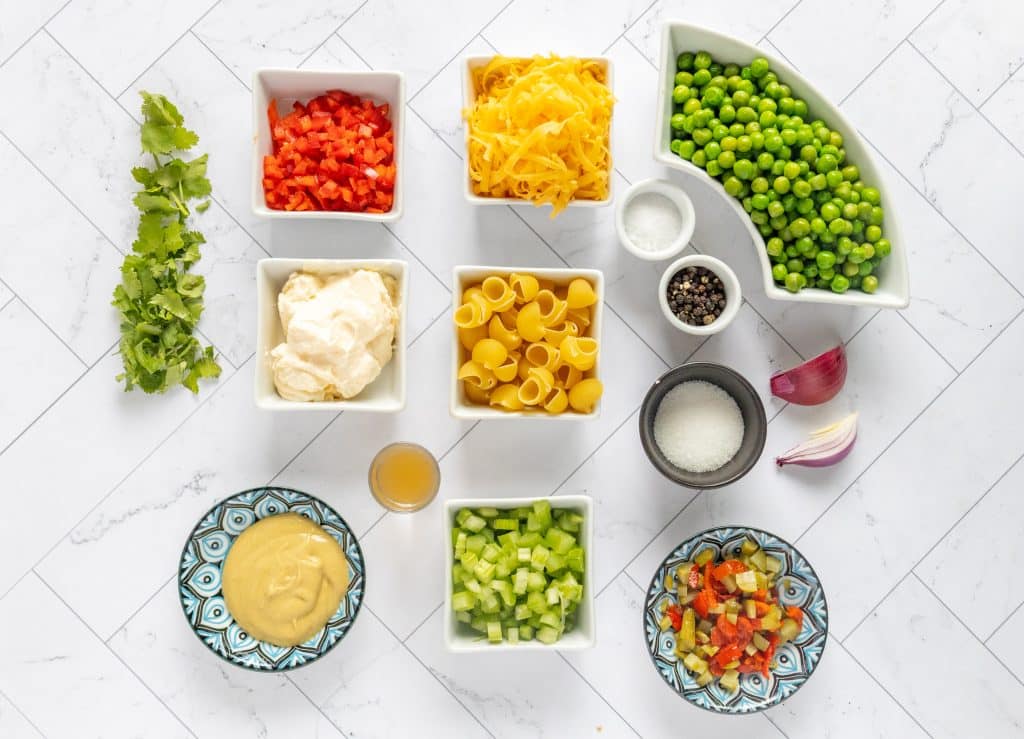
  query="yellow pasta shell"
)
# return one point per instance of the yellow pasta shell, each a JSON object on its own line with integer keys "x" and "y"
{"x": 579, "y": 316}
{"x": 476, "y": 395}
{"x": 490, "y": 353}
{"x": 579, "y": 351}
{"x": 529, "y": 323}
{"x": 552, "y": 310}
{"x": 506, "y": 397}
{"x": 499, "y": 331}
{"x": 557, "y": 401}
{"x": 566, "y": 376}
{"x": 524, "y": 286}
{"x": 557, "y": 334}
{"x": 581, "y": 294}
{"x": 469, "y": 336}
{"x": 508, "y": 369}
{"x": 583, "y": 396}
{"x": 542, "y": 354}
{"x": 498, "y": 293}
{"x": 474, "y": 373}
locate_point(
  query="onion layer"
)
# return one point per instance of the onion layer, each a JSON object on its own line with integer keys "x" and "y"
{"x": 825, "y": 446}
{"x": 814, "y": 381}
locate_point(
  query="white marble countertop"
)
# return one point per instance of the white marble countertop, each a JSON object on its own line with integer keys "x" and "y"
{"x": 917, "y": 535}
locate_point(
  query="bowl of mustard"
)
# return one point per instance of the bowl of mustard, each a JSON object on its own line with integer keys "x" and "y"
{"x": 271, "y": 579}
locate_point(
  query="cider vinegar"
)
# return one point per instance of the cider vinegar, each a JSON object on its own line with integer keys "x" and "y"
{"x": 404, "y": 477}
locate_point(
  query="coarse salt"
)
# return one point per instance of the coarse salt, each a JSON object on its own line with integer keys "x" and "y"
{"x": 698, "y": 426}
{"x": 652, "y": 221}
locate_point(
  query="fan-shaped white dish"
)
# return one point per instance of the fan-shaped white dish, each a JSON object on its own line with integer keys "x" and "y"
{"x": 893, "y": 279}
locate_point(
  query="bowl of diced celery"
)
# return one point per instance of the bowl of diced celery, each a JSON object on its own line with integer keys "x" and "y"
{"x": 795, "y": 170}
{"x": 735, "y": 620}
{"x": 518, "y": 575}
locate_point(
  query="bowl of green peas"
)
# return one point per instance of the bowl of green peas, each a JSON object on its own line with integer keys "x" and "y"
{"x": 793, "y": 167}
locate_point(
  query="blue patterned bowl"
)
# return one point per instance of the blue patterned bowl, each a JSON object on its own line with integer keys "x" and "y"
{"x": 796, "y": 659}
{"x": 199, "y": 579}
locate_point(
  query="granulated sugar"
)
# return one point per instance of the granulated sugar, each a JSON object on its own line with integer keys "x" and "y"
{"x": 698, "y": 426}
{"x": 652, "y": 221}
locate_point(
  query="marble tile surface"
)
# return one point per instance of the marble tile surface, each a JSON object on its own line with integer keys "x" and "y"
{"x": 928, "y": 496}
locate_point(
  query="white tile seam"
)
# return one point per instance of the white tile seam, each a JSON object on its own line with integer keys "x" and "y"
{"x": 427, "y": 668}
{"x": 223, "y": 63}
{"x": 116, "y": 656}
{"x": 47, "y": 326}
{"x": 32, "y": 35}
{"x": 597, "y": 692}
{"x": 959, "y": 92}
{"x": 628, "y": 27}
{"x": 317, "y": 708}
{"x": 335, "y": 32}
{"x": 1002, "y": 84}
{"x": 21, "y": 713}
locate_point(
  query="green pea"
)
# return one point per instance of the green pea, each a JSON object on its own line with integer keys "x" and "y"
{"x": 872, "y": 233}
{"x": 802, "y": 189}
{"x": 825, "y": 260}
{"x": 685, "y": 60}
{"x": 804, "y": 245}
{"x": 837, "y": 226}
{"x": 718, "y": 80}
{"x": 789, "y": 202}
{"x": 713, "y": 96}
{"x": 805, "y": 206}
{"x": 759, "y": 185}
{"x": 850, "y": 267}
{"x": 691, "y": 106}
{"x": 727, "y": 113}
{"x": 758, "y": 217}
{"x": 857, "y": 255}
{"x": 877, "y": 216}
{"x": 778, "y": 222}
{"x": 851, "y": 173}
{"x": 765, "y": 161}
{"x": 683, "y": 78}
{"x": 791, "y": 252}
{"x": 759, "y": 67}
{"x": 883, "y": 248}
{"x": 743, "y": 143}
{"x": 827, "y": 238}
{"x": 701, "y": 136}
{"x": 826, "y": 275}
{"x": 713, "y": 149}
{"x": 840, "y": 284}
{"x": 699, "y": 157}
{"x": 785, "y": 153}
{"x": 720, "y": 132}
{"x": 865, "y": 269}
{"x": 829, "y": 211}
{"x": 715, "y": 68}
{"x": 808, "y": 153}
{"x": 871, "y": 195}
{"x": 800, "y": 107}
{"x": 728, "y": 143}
{"x": 757, "y": 140}
{"x": 793, "y": 282}
{"x": 745, "y": 114}
{"x": 869, "y": 284}
{"x": 863, "y": 211}
{"x": 701, "y": 77}
{"x": 733, "y": 185}
{"x": 786, "y": 104}
{"x": 810, "y": 272}
{"x": 826, "y": 163}
{"x": 834, "y": 178}
{"x": 772, "y": 142}
{"x": 800, "y": 227}
{"x": 766, "y": 119}
{"x": 868, "y": 249}
{"x": 804, "y": 136}
{"x": 686, "y": 149}
{"x": 795, "y": 265}
{"x": 680, "y": 94}
{"x": 843, "y": 191}
{"x": 850, "y": 211}
{"x": 779, "y": 272}
{"x": 702, "y": 60}
{"x": 853, "y": 197}
{"x": 776, "y": 209}
{"x": 778, "y": 167}
{"x": 713, "y": 168}
{"x": 744, "y": 168}
{"x": 760, "y": 201}
{"x": 781, "y": 185}
{"x": 748, "y": 204}
{"x": 818, "y": 182}
{"x": 740, "y": 98}
{"x": 678, "y": 121}
{"x": 704, "y": 117}
{"x": 737, "y": 129}
{"x": 791, "y": 170}
{"x": 788, "y": 136}
{"x": 726, "y": 159}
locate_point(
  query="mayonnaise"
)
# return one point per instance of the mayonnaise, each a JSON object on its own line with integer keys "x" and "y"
{"x": 339, "y": 331}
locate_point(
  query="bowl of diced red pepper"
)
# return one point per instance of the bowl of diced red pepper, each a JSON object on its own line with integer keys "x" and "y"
{"x": 735, "y": 620}
{"x": 327, "y": 144}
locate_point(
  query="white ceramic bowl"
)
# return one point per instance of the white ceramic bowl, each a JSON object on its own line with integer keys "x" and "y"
{"x": 677, "y": 37}
{"x": 677, "y": 196}
{"x": 733, "y": 295}
{"x": 463, "y": 277}
{"x": 471, "y": 63}
{"x": 386, "y": 394}
{"x": 459, "y": 638}
{"x": 289, "y": 85}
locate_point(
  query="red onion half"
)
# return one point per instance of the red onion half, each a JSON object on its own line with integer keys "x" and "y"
{"x": 814, "y": 381}
{"x": 825, "y": 446}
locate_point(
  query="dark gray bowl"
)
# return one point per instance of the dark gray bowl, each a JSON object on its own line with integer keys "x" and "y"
{"x": 754, "y": 421}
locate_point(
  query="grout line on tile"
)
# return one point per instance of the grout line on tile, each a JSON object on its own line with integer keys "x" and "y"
{"x": 1002, "y": 84}
{"x": 458, "y": 53}
{"x": 957, "y": 90}
{"x": 35, "y": 33}
{"x": 138, "y": 610}
{"x": 780, "y": 20}
{"x": 1004, "y": 622}
{"x": 45, "y": 410}
{"x": 640, "y": 52}
{"x": 115, "y": 654}
{"x": 765, "y": 39}
{"x": 313, "y": 703}
{"x": 768, "y": 718}
{"x": 628, "y": 28}
{"x": 425, "y": 667}
{"x": 418, "y": 626}
{"x": 941, "y": 214}
{"x": 223, "y": 63}
{"x": 629, "y": 577}
{"x": 85, "y": 365}
{"x": 970, "y": 631}
{"x": 443, "y": 140}
{"x": 598, "y": 693}
{"x": 351, "y": 48}
{"x": 926, "y": 341}
{"x": 213, "y": 391}
{"x": 415, "y": 256}
{"x": 884, "y": 689}
{"x": 21, "y": 713}
{"x": 333, "y": 33}
{"x": 9, "y": 300}
{"x": 596, "y": 450}
{"x": 873, "y": 608}
{"x": 163, "y": 53}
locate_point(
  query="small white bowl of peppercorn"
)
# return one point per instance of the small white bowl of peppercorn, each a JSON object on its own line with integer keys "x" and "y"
{"x": 699, "y": 295}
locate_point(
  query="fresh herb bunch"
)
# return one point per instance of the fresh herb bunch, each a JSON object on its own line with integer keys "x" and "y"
{"x": 159, "y": 300}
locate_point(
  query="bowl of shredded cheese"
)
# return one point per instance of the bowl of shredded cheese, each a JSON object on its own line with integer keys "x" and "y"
{"x": 538, "y": 130}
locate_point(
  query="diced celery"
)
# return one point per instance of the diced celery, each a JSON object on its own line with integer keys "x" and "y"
{"x": 520, "y": 582}
{"x": 553, "y": 596}
{"x": 542, "y": 510}
{"x": 788, "y": 630}
{"x": 729, "y": 581}
{"x": 709, "y": 650}
{"x": 760, "y": 642}
{"x": 773, "y": 565}
{"x": 747, "y": 581}
{"x": 509, "y": 538}
{"x": 462, "y": 515}
{"x": 468, "y": 559}
{"x": 504, "y": 589}
{"x": 733, "y": 606}
{"x": 683, "y": 572}
{"x": 732, "y": 665}
{"x": 704, "y": 678}
{"x": 750, "y": 650}
{"x": 730, "y": 681}
{"x": 555, "y": 563}
{"x": 702, "y": 637}
{"x": 574, "y": 559}
{"x": 731, "y": 617}
{"x": 487, "y": 512}
{"x": 479, "y": 624}
{"x": 718, "y": 609}
{"x": 534, "y": 621}
{"x": 458, "y": 573}
{"x": 493, "y": 632}
{"x": 489, "y": 602}
{"x": 762, "y": 580}
{"x": 682, "y": 591}
{"x": 460, "y": 543}
{"x": 552, "y": 619}
{"x": 533, "y": 523}
{"x": 749, "y": 546}
{"x": 484, "y": 571}
{"x": 474, "y": 523}
{"x": 523, "y": 612}
{"x": 669, "y": 582}
{"x": 475, "y": 544}
{"x": 535, "y": 582}
{"x": 512, "y": 634}
{"x": 537, "y": 602}
{"x": 529, "y": 539}
{"x": 559, "y": 541}
{"x": 490, "y": 553}
{"x": 502, "y": 569}
{"x": 759, "y": 560}
{"x": 525, "y": 632}
{"x": 705, "y": 556}
{"x": 473, "y": 585}
{"x": 663, "y": 606}
{"x": 463, "y": 617}
{"x": 463, "y": 600}
{"x": 687, "y": 637}
{"x": 506, "y": 524}
{"x": 665, "y": 624}
{"x": 539, "y": 557}
{"x": 570, "y": 521}
{"x": 772, "y": 620}
{"x": 547, "y": 635}
{"x": 523, "y": 554}
{"x": 694, "y": 663}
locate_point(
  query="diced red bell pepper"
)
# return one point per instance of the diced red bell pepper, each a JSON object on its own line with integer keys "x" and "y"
{"x": 728, "y": 653}
{"x": 675, "y": 613}
{"x": 728, "y": 567}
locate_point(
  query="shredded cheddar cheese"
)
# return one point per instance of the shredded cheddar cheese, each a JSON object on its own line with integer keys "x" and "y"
{"x": 539, "y": 130}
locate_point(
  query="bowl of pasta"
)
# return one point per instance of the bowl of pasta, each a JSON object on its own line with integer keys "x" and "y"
{"x": 522, "y": 114}
{"x": 526, "y": 343}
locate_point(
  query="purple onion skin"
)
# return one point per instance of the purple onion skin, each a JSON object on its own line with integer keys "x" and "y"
{"x": 810, "y": 393}
{"x": 826, "y": 461}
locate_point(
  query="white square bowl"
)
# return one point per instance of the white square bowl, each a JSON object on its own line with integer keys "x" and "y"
{"x": 459, "y": 638}
{"x": 893, "y": 279}
{"x": 386, "y": 394}
{"x": 463, "y": 277}
{"x": 288, "y": 85}
{"x": 472, "y": 63}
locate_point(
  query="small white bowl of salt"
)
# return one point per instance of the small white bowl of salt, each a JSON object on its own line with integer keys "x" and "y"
{"x": 655, "y": 220}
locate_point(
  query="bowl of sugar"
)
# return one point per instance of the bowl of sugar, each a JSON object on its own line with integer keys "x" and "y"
{"x": 654, "y": 220}
{"x": 703, "y": 425}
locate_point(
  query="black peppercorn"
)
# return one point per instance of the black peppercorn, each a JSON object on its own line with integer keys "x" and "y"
{"x": 696, "y": 296}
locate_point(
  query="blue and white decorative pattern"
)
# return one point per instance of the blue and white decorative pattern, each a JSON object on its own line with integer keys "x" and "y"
{"x": 199, "y": 579}
{"x": 796, "y": 660}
